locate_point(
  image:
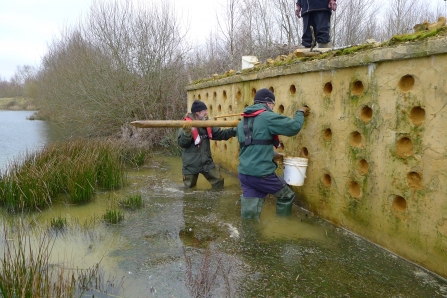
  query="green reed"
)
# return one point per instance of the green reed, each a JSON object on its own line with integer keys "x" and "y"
{"x": 75, "y": 168}
{"x": 58, "y": 224}
{"x": 113, "y": 216}
{"x": 132, "y": 202}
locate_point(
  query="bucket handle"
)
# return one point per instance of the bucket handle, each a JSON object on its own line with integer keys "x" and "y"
{"x": 302, "y": 174}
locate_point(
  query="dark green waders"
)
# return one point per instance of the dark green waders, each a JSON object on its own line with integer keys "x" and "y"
{"x": 213, "y": 176}
{"x": 251, "y": 207}
{"x": 284, "y": 201}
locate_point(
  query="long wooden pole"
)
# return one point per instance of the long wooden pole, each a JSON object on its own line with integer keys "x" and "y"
{"x": 229, "y": 115}
{"x": 180, "y": 123}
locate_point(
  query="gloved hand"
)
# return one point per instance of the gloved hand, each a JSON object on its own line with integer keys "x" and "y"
{"x": 278, "y": 157}
{"x": 305, "y": 110}
{"x": 187, "y": 128}
{"x": 333, "y": 5}
{"x": 298, "y": 11}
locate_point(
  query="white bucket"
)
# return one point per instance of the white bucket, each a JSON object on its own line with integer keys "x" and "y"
{"x": 249, "y": 61}
{"x": 294, "y": 170}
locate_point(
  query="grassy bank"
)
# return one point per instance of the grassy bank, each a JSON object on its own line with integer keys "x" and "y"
{"x": 75, "y": 168}
{"x": 17, "y": 103}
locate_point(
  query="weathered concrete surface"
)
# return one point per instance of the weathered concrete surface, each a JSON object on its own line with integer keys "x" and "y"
{"x": 375, "y": 140}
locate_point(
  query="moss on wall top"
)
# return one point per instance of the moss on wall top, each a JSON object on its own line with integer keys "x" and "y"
{"x": 421, "y": 43}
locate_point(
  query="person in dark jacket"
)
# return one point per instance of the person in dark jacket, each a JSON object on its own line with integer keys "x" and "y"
{"x": 196, "y": 155}
{"x": 316, "y": 13}
{"x": 257, "y": 134}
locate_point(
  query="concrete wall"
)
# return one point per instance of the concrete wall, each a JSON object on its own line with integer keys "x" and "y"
{"x": 376, "y": 140}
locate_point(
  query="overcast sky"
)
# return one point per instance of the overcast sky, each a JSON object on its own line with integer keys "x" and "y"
{"x": 28, "y": 26}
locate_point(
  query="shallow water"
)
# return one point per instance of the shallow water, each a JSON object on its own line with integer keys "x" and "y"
{"x": 147, "y": 254}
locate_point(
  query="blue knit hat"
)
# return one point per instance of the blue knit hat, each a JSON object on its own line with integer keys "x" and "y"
{"x": 264, "y": 96}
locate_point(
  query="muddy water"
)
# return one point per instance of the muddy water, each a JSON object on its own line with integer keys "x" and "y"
{"x": 150, "y": 252}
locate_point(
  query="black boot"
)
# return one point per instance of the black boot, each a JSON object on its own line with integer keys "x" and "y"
{"x": 251, "y": 207}
{"x": 284, "y": 201}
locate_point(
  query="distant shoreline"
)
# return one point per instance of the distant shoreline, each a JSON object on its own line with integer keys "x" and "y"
{"x": 17, "y": 104}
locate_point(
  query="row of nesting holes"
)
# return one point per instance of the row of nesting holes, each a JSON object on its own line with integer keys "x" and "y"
{"x": 406, "y": 84}
{"x": 404, "y": 146}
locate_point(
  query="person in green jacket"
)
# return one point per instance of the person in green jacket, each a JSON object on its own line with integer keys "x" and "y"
{"x": 257, "y": 134}
{"x": 196, "y": 155}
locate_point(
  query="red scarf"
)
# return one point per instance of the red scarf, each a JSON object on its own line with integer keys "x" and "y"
{"x": 195, "y": 133}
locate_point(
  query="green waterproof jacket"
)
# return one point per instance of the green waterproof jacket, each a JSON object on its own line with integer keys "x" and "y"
{"x": 257, "y": 160}
{"x": 197, "y": 159}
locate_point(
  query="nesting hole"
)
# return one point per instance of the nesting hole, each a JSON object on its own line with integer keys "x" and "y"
{"x": 246, "y": 105}
{"x": 354, "y": 189}
{"x": 272, "y": 89}
{"x": 214, "y": 95}
{"x": 366, "y": 114}
{"x": 404, "y": 147}
{"x": 292, "y": 89}
{"x": 281, "y": 109}
{"x": 199, "y": 97}
{"x": 207, "y": 95}
{"x": 362, "y": 167}
{"x": 328, "y": 88}
{"x": 304, "y": 152}
{"x": 253, "y": 92}
{"x": 406, "y": 83}
{"x": 327, "y": 180}
{"x": 417, "y": 115}
{"x": 224, "y": 94}
{"x": 355, "y": 139}
{"x": 357, "y": 88}
{"x": 399, "y": 203}
{"x": 327, "y": 134}
{"x": 219, "y": 108}
{"x": 215, "y": 144}
{"x": 210, "y": 108}
{"x": 238, "y": 94}
{"x": 281, "y": 146}
{"x": 225, "y": 146}
{"x": 230, "y": 108}
{"x": 414, "y": 180}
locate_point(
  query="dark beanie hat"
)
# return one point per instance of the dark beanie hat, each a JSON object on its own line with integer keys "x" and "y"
{"x": 264, "y": 95}
{"x": 198, "y": 106}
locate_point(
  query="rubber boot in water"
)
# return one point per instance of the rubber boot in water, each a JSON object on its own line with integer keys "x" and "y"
{"x": 251, "y": 207}
{"x": 284, "y": 201}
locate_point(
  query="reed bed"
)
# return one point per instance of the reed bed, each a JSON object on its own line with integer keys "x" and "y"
{"x": 74, "y": 168}
{"x": 26, "y": 269}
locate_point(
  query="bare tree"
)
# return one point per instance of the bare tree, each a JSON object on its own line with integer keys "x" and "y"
{"x": 402, "y": 15}
{"x": 351, "y": 23}
{"x": 124, "y": 63}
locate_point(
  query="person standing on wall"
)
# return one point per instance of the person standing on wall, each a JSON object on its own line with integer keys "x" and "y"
{"x": 196, "y": 155}
{"x": 316, "y": 13}
{"x": 257, "y": 133}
